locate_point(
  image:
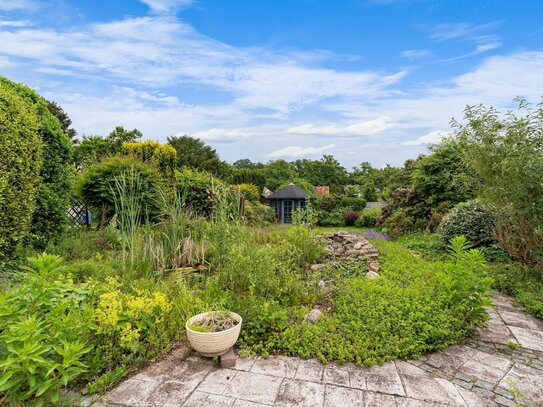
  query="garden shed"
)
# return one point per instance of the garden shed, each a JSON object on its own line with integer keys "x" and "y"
{"x": 287, "y": 200}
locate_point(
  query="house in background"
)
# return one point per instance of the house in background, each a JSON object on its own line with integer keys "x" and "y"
{"x": 264, "y": 197}
{"x": 287, "y": 200}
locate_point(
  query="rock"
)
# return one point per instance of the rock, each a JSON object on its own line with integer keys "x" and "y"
{"x": 228, "y": 359}
{"x": 313, "y": 316}
{"x": 358, "y": 246}
{"x": 372, "y": 275}
{"x": 321, "y": 284}
{"x": 317, "y": 267}
{"x": 373, "y": 266}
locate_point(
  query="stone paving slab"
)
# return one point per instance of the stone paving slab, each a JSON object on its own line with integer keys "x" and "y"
{"x": 501, "y": 366}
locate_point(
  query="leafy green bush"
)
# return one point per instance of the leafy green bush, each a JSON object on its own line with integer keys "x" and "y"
{"x": 470, "y": 219}
{"x": 328, "y": 203}
{"x": 353, "y": 203}
{"x": 249, "y": 191}
{"x": 20, "y": 166}
{"x": 45, "y": 329}
{"x": 196, "y": 188}
{"x": 56, "y": 175}
{"x": 368, "y": 218}
{"x": 162, "y": 156}
{"x": 96, "y": 185}
{"x": 331, "y": 218}
{"x": 399, "y": 223}
{"x": 258, "y": 214}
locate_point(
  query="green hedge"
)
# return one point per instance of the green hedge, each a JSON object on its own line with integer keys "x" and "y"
{"x": 20, "y": 166}
{"x": 53, "y": 196}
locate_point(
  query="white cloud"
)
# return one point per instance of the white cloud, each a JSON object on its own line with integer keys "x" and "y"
{"x": 298, "y": 151}
{"x": 487, "y": 47}
{"x": 166, "y": 6}
{"x": 462, "y": 31}
{"x": 414, "y": 54}
{"x": 364, "y": 128}
{"x": 431, "y": 138}
{"x": 14, "y": 23}
{"x": 221, "y": 134}
{"x": 10, "y": 5}
{"x": 161, "y": 51}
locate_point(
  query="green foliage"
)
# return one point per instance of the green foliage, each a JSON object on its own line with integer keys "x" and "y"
{"x": 299, "y": 182}
{"x": 326, "y": 171}
{"x": 259, "y": 214}
{"x": 399, "y": 223}
{"x": 63, "y": 118}
{"x": 470, "y": 219}
{"x": 522, "y": 282}
{"x": 196, "y": 188}
{"x": 414, "y": 307}
{"x": 92, "y": 149}
{"x": 45, "y": 326}
{"x": 306, "y": 216}
{"x": 20, "y": 166}
{"x": 248, "y": 176}
{"x": 444, "y": 176}
{"x": 427, "y": 245}
{"x": 152, "y": 152}
{"x": 249, "y": 191}
{"x": 353, "y": 203}
{"x": 96, "y": 185}
{"x": 368, "y": 218}
{"x": 350, "y": 217}
{"x": 194, "y": 153}
{"x": 334, "y": 218}
{"x": 277, "y": 173}
{"x": 56, "y": 175}
{"x": 506, "y": 152}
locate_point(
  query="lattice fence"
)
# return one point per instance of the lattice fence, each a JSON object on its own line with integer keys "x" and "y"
{"x": 78, "y": 215}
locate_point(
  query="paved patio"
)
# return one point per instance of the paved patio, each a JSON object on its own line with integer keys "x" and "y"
{"x": 501, "y": 366}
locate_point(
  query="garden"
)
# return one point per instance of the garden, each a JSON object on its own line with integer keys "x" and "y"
{"x": 176, "y": 232}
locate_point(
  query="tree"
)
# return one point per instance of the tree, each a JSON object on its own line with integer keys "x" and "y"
{"x": 247, "y": 164}
{"x": 20, "y": 165}
{"x": 247, "y": 176}
{"x": 62, "y": 116}
{"x": 94, "y": 148}
{"x": 506, "y": 152}
{"x": 443, "y": 175}
{"x": 277, "y": 173}
{"x": 194, "y": 153}
{"x": 326, "y": 171}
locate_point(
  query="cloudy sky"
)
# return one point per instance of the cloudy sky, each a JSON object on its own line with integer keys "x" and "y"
{"x": 364, "y": 80}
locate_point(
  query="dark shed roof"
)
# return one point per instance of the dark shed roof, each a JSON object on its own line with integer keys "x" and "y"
{"x": 291, "y": 191}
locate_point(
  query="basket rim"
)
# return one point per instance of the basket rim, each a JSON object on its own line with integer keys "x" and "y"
{"x": 233, "y": 314}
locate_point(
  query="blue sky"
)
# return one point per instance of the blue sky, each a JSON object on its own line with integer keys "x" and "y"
{"x": 364, "y": 80}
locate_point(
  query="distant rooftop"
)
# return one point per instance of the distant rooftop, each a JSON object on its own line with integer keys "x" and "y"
{"x": 291, "y": 191}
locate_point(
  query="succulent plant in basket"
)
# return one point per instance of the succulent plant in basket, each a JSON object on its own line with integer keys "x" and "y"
{"x": 213, "y": 333}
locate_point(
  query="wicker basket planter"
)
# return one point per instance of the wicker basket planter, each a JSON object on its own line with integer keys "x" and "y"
{"x": 213, "y": 343}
